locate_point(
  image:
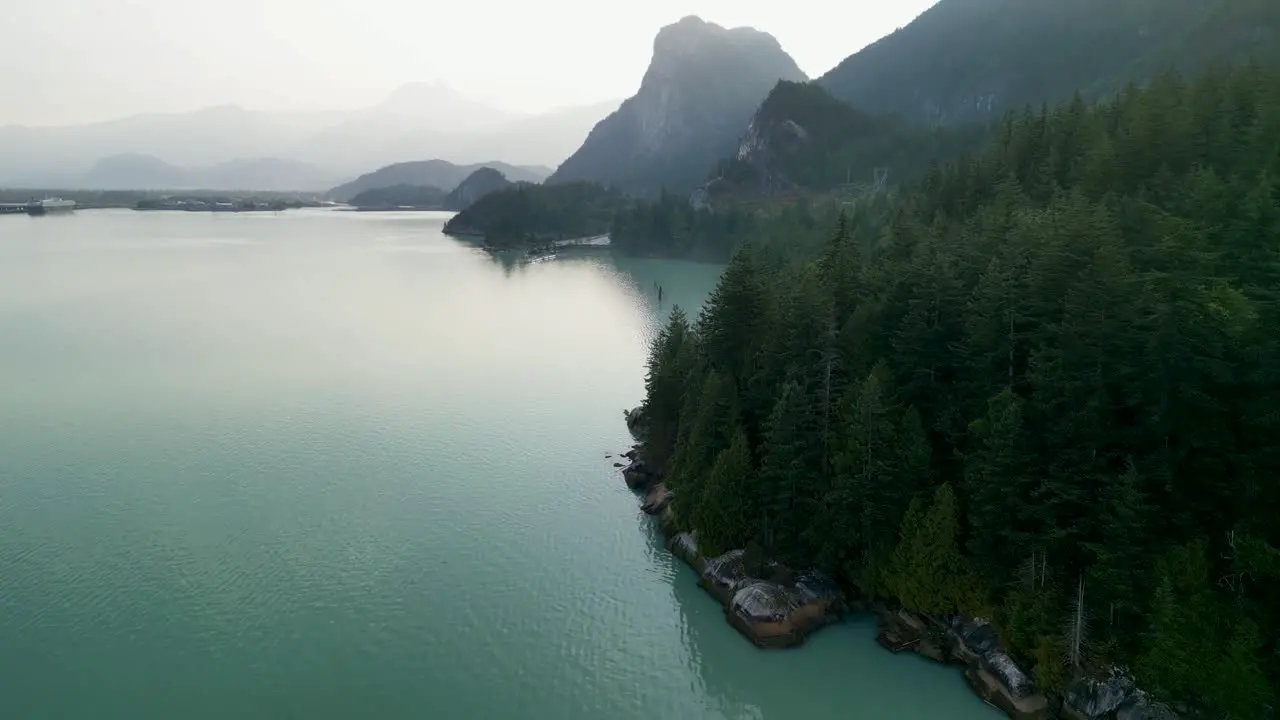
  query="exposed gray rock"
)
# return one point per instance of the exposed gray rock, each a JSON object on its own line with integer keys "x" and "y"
{"x": 760, "y": 601}
{"x": 685, "y": 544}
{"x": 702, "y": 85}
{"x": 816, "y": 586}
{"x": 778, "y": 614}
{"x": 976, "y": 637}
{"x": 635, "y": 418}
{"x": 999, "y": 664}
{"x": 992, "y": 672}
{"x": 1141, "y": 707}
{"x": 725, "y": 573}
{"x": 1088, "y": 699}
{"x": 656, "y": 499}
{"x": 638, "y": 475}
{"x": 1115, "y": 696}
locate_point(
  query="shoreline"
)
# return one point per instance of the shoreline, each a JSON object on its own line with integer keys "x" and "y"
{"x": 775, "y": 607}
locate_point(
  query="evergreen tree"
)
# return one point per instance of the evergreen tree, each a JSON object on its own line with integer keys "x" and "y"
{"x": 790, "y": 472}
{"x": 928, "y": 573}
{"x": 664, "y": 389}
{"x": 867, "y": 503}
{"x": 1000, "y": 483}
{"x": 725, "y": 523}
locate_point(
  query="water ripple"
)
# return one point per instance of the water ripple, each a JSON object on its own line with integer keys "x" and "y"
{"x": 337, "y": 465}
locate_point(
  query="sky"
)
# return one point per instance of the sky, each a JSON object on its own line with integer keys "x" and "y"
{"x": 74, "y": 61}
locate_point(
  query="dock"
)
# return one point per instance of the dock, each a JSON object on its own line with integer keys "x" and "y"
{"x": 14, "y": 209}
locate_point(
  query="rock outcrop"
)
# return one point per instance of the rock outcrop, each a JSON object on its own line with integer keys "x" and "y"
{"x": 764, "y": 600}
{"x": 972, "y": 644}
{"x": 778, "y": 612}
{"x": 639, "y": 476}
{"x": 656, "y": 499}
{"x": 1115, "y": 697}
{"x": 699, "y": 92}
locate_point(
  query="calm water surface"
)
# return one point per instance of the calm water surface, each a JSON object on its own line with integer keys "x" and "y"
{"x": 336, "y": 465}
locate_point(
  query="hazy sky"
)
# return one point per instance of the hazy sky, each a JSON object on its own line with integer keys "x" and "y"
{"x": 67, "y": 61}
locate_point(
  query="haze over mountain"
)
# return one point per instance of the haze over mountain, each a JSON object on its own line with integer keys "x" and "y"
{"x": 83, "y": 61}
{"x": 136, "y": 171}
{"x": 238, "y": 148}
{"x": 701, "y": 88}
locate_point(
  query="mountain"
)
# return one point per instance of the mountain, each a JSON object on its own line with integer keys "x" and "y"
{"x": 477, "y": 185}
{"x": 137, "y": 171}
{"x": 418, "y": 120}
{"x": 415, "y": 196}
{"x": 435, "y": 173}
{"x": 702, "y": 85}
{"x": 965, "y": 60}
{"x": 63, "y": 155}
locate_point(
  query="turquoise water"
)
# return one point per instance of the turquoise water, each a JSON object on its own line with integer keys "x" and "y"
{"x": 332, "y": 465}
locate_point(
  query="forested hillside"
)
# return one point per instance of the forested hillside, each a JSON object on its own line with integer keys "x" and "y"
{"x": 804, "y": 140}
{"x": 670, "y": 227}
{"x": 416, "y": 196}
{"x": 1042, "y": 387}
{"x": 524, "y": 213}
{"x": 973, "y": 59}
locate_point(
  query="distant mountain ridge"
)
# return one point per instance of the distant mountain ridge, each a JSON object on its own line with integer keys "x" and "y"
{"x": 418, "y": 120}
{"x": 701, "y": 87}
{"x": 434, "y": 173}
{"x": 135, "y": 171}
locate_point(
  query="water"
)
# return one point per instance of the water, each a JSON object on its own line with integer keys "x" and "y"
{"x": 334, "y": 465}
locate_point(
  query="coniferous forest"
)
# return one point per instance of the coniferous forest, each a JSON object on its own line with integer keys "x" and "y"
{"x": 1041, "y": 386}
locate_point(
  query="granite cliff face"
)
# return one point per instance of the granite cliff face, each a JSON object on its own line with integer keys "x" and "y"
{"x": 701, "y": 88}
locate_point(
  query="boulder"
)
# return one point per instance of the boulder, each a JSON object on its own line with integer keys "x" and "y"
{"x": 815, "y": 586}
{"x": 972, "y": 639}
{"x": 772, "y": 614}
{"x": 1141, "y": 707}
{"x": 1089, "y": 699}
{"x": 992, "y": 673}
{"x": 635, "y": 419}
{"x": 685, "y": 546}
{"x": 667, "y": 521}
{"x": 899, "y": 630}
{"x": 638, "y": 475}
{"x": 758, "y": 601}
{"x": 722, "y": 575}
{"x": 1115, "y": 696}
{"x": 656, "y": 499}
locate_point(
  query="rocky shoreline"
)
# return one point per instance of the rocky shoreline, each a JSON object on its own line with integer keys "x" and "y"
{"x": 777, "y": 607}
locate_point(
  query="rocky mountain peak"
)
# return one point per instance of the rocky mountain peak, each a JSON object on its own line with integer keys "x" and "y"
{"x": 699, "y": 92}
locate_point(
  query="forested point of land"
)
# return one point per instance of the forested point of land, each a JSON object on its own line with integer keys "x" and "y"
{"x": 1041, "y": 386}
